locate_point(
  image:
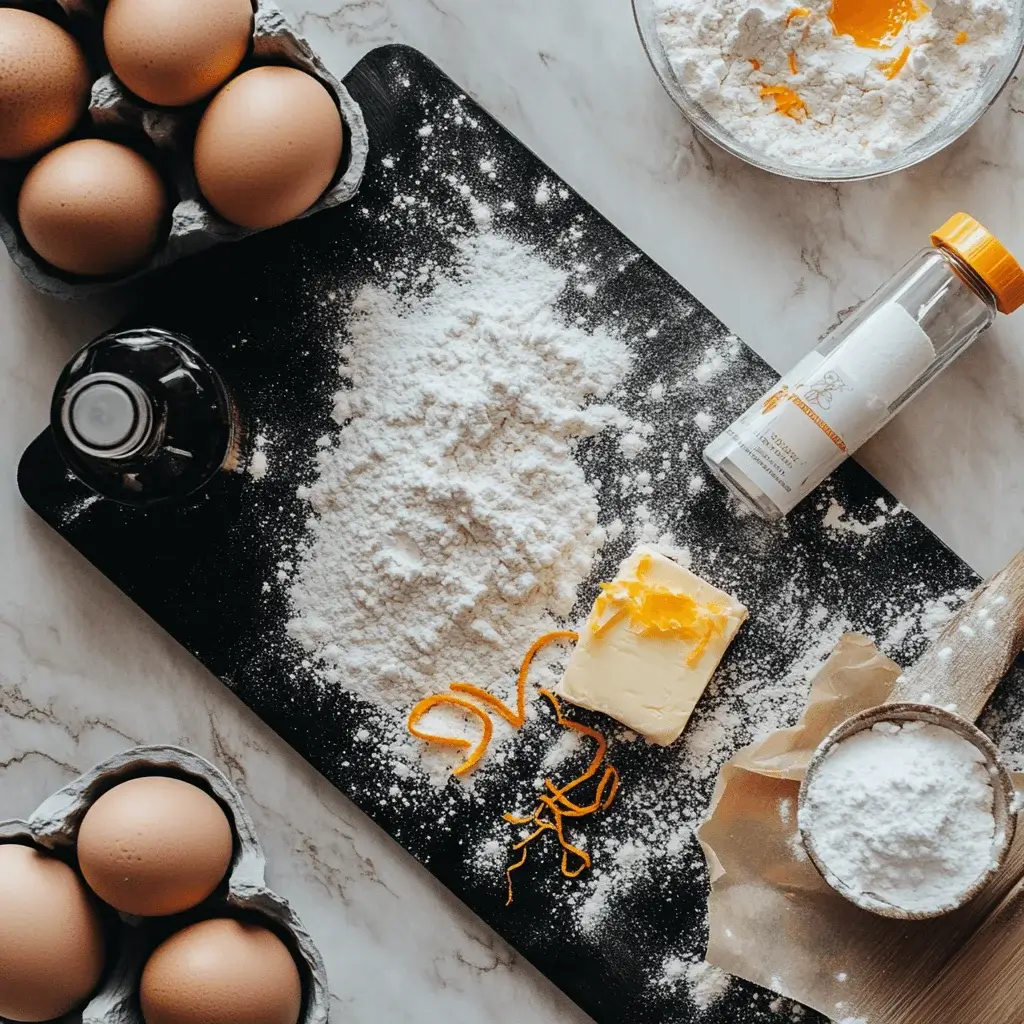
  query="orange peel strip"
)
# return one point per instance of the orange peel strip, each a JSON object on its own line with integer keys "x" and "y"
{"x": 508, "y": 875}
{"x": 518, "y": 717}
{"x": 568, "y": 723}
{"x": 427, "y": 703}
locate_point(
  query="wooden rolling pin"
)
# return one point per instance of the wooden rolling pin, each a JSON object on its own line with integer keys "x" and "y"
{"x": 974, "y": 650}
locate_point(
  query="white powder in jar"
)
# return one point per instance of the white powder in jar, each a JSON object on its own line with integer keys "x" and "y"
{"x": 903, "y": 812}
{"x": 732, "y": 57}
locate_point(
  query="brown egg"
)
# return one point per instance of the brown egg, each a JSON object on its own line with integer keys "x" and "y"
{"x": 154, "y": 846}
{"x": 267, "y": 146}
{"x": 51, "y": 938}
{"x": 44, "y": 83}
{"x": 173, "y": 52}
{"x": 221, "y": 971}
{"x": 92, "y": 207}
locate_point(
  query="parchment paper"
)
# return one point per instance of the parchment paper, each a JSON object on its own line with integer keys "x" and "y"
{"x": 775, "y": 922}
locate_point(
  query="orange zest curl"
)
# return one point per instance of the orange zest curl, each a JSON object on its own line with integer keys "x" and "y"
{"x": 427, "y": 703}
{"x": 515, "y": 718}
{"x": 554, "y": 805}
{"x": 653, "y": 609}
{"x": 518, "y": 717}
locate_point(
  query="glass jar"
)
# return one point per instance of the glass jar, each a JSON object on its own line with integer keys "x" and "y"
{"x": 140, "y": 417}
{"x": 867, "y": 368}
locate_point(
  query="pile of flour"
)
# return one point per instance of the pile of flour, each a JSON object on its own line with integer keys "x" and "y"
{"x": 451, "y": 524}
{"x": 724, "y": 52}
{"x": 904, "y": 813}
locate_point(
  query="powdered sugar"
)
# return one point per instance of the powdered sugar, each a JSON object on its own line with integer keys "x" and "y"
{"x": 903, "y": 812}
{"x": 450, "y": 509}
{"x": 725, "y": 53}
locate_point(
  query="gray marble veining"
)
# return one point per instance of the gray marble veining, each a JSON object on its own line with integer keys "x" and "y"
{"x": 83, "y": 673}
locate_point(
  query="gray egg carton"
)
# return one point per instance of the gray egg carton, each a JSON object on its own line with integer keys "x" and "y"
{"x": 194, "y": 226}
{"x": 54, "y": 826}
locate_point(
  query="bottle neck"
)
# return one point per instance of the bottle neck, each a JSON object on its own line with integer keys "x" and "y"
{"x": 968, "y": 275}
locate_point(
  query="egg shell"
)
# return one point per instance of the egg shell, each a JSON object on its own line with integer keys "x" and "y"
{"x": 92, "y": 207}
{"x": 194, "y": 226}
{"x": 51, "y": 936}
{"x": 44, "y": 83}
{"x": 54, "y": 825}
{"x": 154, "y": 846}
{"x": 268, "y": 146}
{"x": 221, "y": 970}
{"x": 172, "y": 52}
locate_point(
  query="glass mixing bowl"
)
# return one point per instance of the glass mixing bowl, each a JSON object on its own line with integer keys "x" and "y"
{"x": 959, "y": 120}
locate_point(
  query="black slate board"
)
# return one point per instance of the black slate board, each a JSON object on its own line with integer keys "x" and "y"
{"x": 257, "y": 310}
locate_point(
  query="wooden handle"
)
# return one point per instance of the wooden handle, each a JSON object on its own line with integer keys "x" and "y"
{"x": 974, "y": 650}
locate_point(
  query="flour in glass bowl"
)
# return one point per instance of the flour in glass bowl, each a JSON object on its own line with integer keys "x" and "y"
{"x": 788, "y": 80}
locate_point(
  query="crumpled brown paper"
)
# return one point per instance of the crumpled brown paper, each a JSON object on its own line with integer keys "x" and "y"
{"x": 775, "y": 922}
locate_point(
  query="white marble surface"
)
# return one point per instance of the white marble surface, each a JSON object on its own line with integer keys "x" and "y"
{"x": 84, "y": 673}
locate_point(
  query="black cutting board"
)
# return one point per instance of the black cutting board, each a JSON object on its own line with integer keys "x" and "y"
{"x": 257, "y": 310}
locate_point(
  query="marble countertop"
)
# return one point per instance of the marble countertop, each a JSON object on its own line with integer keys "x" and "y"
{"x": 84, "y": 673}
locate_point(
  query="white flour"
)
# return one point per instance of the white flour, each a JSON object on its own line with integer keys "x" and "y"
{"x": 903, "y": 813}
{"x": 725, "y": 52}
{"x": 451, "y": 524}
{"x": 705, "y": 984}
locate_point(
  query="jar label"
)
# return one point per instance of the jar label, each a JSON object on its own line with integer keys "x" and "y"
{"x": 827, "y": 407}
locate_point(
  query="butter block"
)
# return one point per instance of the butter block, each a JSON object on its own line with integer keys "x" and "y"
{"x": 651, "y": 645}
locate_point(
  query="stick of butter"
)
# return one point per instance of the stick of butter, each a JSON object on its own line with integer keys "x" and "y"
{"x": 651, "y": 645}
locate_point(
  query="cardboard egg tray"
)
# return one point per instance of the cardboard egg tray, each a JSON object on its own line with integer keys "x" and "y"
{"x": 165, "y": 136}
{"x": 244, "y": 893}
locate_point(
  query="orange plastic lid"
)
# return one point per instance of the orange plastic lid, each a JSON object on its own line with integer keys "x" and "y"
{"x": 986, "y": 256}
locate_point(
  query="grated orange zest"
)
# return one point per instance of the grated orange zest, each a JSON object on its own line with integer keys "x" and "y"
{"x": 792, "y": 63}
{"x": 754, "y": 63}
{"x": 891, "y": 68}
{"x": 798, "y": 12}
{"x": 961, "y": 38}
{"x": 787, "y": 102}
{"x": 437, "y": 699}
{"x": 655, "y": 610}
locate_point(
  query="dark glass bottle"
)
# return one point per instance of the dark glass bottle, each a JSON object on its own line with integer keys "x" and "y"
{"x": 140, "y": 417}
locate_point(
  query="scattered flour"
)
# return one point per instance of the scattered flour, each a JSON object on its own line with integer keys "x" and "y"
{"x": 748, "y": 64}
{"x": 705, "y": 421}
{"x": 903, "y": 813}
{"x": 259, "y": 464}
{"x": 704, "y": 983}
{"x": 836, "y": 519}
{"x": 451, "y": 508}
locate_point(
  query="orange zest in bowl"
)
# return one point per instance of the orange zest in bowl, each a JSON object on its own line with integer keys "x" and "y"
{"x": 961, "y": 38}
{"x": 754, "y": 63}
{"x": 891, "y": 68}
{"x": 787, "y": 101}
{"x": 792, "y": 63}
{"x": 874, "y": 23}
{"x": 798, "y": 12}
